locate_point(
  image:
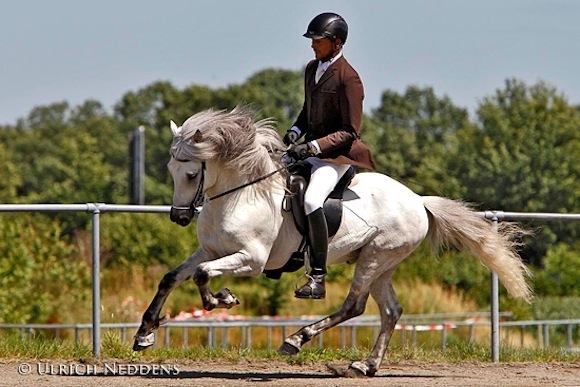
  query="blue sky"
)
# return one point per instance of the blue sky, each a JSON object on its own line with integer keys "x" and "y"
{"x": 57, "y": 50}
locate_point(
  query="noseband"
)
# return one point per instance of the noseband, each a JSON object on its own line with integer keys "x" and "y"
{"x": 198, "y": 198}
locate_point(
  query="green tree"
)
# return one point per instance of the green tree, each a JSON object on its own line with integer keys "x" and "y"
{"x": 10, "y": 172}
{"x": 33, "y": 143}
{"x": 145, "y": 239}
{"x": 274, "y": 93}
{"x": 559, "y": 276}
{"x": 283, "y": 95}
{"x": 110, "y": 140}
{"x": 78, "y": 172}
{"x": 523, "y": 156}
{"x": 414, "y": 134}
{"x": 152, "y": 107}
{"x": 40, "y": 278}
{"x": 67, "y": 155}
{"x": 50, "y": 119}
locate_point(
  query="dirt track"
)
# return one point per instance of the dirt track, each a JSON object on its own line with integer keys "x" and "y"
{"x": 281, "y": 374}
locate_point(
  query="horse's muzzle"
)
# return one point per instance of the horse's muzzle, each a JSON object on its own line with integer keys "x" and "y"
{"x": 181, "y": 216}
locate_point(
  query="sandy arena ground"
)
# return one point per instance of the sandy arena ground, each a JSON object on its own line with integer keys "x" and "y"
{"x": 280, "y": 374}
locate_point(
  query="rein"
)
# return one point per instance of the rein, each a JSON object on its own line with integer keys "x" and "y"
{"x": 199, "y": 193}
{"x": 259, "y": 179}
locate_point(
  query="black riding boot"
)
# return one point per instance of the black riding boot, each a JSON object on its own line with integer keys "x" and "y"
{"x": 318, "y": 235}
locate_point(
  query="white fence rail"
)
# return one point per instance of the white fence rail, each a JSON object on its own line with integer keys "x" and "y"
{"x": 217, "y": 332}
{"x": 96, "y": 209}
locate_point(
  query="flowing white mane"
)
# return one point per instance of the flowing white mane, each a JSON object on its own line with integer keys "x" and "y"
{"x": 233, "y": 137}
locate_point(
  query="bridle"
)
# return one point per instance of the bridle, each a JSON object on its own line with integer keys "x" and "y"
{"x": 198, "y": 198}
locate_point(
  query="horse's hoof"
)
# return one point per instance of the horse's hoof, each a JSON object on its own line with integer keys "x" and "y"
{"x": 288, "y": 349}
{"x": 227, "y": 298}
{"x": 357, "y": 370}
{"x": 143, "y": 342}
{"x": 353, "y": 373}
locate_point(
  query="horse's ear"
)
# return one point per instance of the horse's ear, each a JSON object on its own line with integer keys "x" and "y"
{"x": 197, "y": 137}
{"x": 174, "y": 127}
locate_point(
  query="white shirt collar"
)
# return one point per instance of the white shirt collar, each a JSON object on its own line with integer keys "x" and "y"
{"x": 327, "y": 64}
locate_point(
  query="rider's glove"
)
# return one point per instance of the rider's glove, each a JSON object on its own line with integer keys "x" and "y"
{"x": 291, "y": 137}
{"x": 301, "y": 152}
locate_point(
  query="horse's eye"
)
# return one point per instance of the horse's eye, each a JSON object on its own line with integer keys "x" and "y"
{"x": 191, "y": 175}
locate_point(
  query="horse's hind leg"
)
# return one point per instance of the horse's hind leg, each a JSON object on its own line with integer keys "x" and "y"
{"x": 390, "y": 310}
{"x": 353, "y": 306}
{"x": 369, "y": 267}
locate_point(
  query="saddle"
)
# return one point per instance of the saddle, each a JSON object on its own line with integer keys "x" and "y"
{"x": 296, "y": 184}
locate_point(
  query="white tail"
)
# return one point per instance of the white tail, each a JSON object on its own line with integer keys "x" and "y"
{"x": 454, "y": 223}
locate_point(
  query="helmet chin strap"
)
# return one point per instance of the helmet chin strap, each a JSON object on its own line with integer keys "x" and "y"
{"x": 337, "y": 47}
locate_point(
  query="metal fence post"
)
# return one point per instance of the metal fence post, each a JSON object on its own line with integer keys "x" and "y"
{"x": 494, "y": 306}
{"x": 96, "y": 282}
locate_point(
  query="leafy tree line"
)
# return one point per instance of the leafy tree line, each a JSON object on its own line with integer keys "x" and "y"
{"x": 521, "y": 152}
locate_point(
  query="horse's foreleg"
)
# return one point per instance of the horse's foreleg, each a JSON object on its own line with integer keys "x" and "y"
{"x": 151, "y": 320}
{"x": 353, "y": 306}
{"x": 237, "y": 264}
{"x": 390, "y": 310}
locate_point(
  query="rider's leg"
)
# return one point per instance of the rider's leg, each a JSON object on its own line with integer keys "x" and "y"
{"x": 322, "y": 181}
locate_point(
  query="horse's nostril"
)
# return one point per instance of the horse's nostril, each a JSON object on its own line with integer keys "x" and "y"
{"x": 181, "y": 216}
{"x": 183, "y": 220}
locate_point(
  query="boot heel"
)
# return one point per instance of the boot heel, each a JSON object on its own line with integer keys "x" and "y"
{"x": 314, "y": 288}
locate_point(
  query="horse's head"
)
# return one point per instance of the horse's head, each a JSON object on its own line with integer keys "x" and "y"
{"x": 233, "y": 147}
{"x": 188, "y": 176}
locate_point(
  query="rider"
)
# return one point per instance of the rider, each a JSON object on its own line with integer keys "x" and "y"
{"x": 330, "y": 120}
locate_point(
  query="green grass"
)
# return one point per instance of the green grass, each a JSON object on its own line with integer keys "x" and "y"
{"x": 13, "y": 347}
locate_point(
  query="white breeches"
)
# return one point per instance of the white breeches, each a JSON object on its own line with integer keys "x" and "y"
{"x": 323, "y": 179}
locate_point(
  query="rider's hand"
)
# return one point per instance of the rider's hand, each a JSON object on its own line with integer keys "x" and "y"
{"x": 300, "y": 152}
{"x": 290, "y": 137}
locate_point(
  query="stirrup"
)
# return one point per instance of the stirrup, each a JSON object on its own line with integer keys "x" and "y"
{"x": 313, "y": 289}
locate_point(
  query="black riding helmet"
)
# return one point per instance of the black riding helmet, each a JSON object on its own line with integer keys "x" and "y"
{"x": 327, "y": 25}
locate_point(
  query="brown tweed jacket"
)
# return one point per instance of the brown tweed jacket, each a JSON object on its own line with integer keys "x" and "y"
{"x": 332, "y": 114}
